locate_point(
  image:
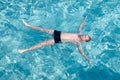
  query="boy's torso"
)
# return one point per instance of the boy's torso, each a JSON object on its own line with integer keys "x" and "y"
{"x": 69, "y": 37}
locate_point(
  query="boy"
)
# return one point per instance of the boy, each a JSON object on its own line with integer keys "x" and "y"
{"x": 60, "y": 37}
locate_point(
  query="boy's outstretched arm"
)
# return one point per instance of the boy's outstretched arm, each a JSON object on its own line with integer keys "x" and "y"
{"x": 81, "y": 25}
{"x": 83, "y": 54}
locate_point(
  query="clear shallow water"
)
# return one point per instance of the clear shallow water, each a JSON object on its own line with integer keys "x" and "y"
{"x": 59, "y": 61}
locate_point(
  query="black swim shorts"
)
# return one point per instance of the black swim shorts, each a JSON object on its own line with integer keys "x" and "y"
{"x": 57, "y": 37}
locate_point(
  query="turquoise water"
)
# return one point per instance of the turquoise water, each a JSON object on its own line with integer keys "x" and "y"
{"x": 59, "y": 61}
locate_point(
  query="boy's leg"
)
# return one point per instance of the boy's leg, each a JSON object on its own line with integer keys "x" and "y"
{"x": 45, "y": 43}
{"x": 49, "y": 31}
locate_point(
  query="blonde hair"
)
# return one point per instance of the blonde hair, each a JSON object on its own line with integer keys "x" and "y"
{"x": 88, "y": 39}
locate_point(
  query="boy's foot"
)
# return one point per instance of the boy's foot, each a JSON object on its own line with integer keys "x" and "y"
{"x": 21, "y": 51}
{"x": 26, "y": 24}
